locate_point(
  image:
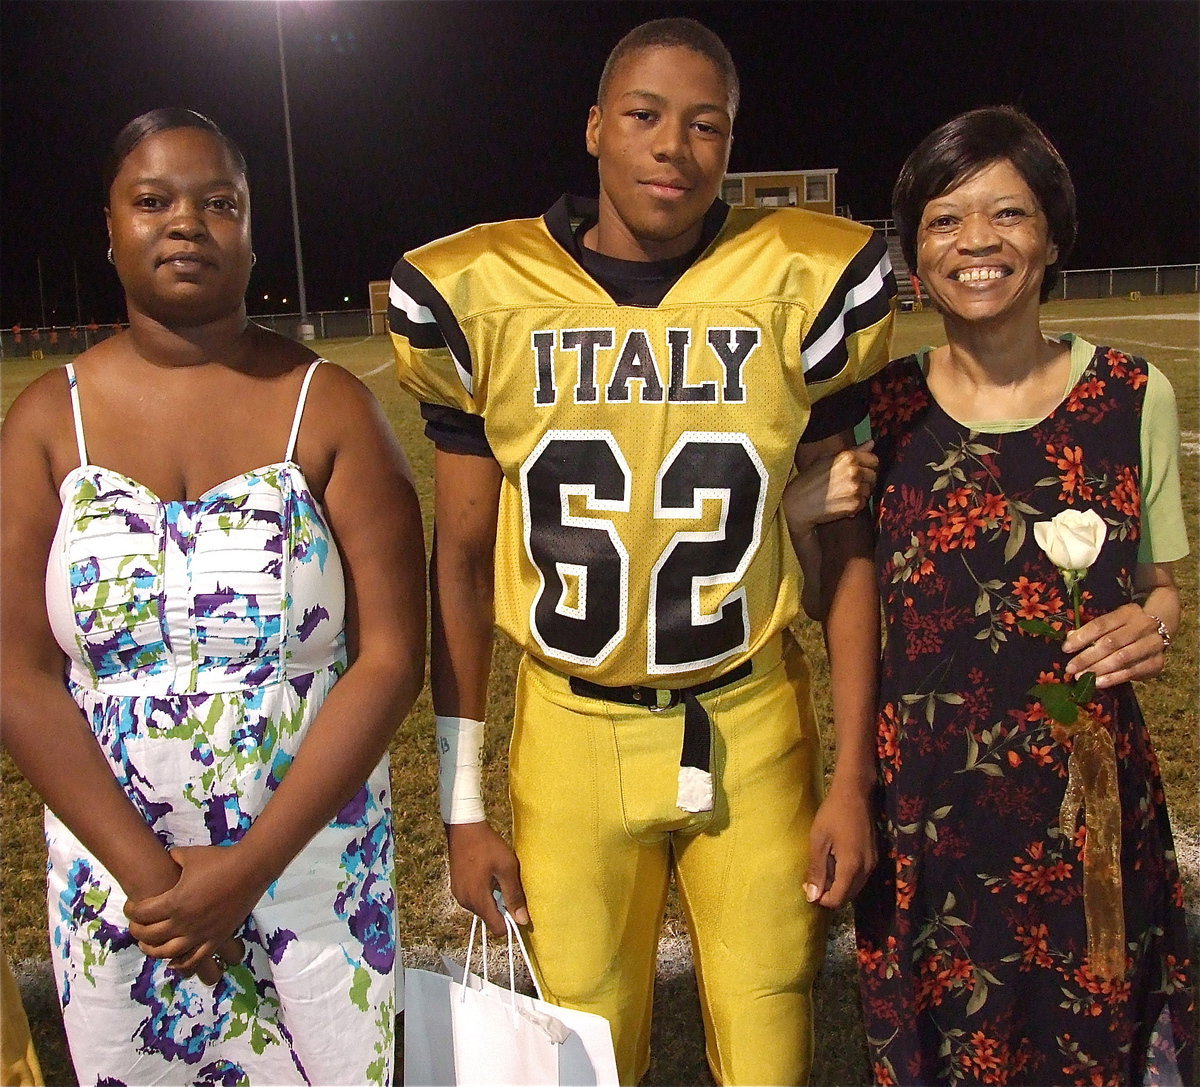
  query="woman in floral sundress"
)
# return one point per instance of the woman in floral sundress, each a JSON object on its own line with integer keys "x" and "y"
{"x": 994, "y": 946}
{"x": 217, "y": 541}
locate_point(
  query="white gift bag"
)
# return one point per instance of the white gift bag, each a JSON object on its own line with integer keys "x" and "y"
{"x": 472, "y": 1033}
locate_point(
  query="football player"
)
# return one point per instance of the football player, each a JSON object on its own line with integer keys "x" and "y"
{"x": 619, "y": 392}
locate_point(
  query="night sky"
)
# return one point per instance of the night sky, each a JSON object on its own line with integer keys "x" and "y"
{"x": 415, "y": 119}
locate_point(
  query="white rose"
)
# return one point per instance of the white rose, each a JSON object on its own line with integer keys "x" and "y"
{"x": 1072, "y": 540}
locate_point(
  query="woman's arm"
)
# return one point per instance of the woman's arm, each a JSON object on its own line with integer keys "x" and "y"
{"x": 374, "y": 514}
{"x": 41, "y": 726}
{"x": 1126, "y": 644}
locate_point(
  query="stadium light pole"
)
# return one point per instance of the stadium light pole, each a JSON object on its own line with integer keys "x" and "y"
{"x": 41, "y": 293}
{"x": 306, "y": 329}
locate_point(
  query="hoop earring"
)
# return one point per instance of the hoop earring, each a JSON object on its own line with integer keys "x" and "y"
{"x": 110, "y": 257}
{"x": 253, "y": 259}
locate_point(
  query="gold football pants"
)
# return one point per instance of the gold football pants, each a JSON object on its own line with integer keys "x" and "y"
{"x": 598, "y": 834}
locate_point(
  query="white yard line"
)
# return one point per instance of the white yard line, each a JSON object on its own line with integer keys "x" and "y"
{"x": 345, "y": 346}
{"x": 1194, "y": 317}
{"x": 1132, "y": 341}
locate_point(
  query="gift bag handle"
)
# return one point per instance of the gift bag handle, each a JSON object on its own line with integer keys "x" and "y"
{"x": 511, "y": 929}
{"x": 514, "y": 930}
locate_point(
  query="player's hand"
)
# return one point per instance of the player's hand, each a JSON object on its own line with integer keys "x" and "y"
{"x": 841, "y": 846}
{"x": 1118, "y": 646}
{"x": 480, "y": 863}
{"x": 831, "y": 488}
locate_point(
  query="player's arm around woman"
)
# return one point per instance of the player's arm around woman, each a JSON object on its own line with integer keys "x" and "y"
{"x": 828, "y": 499}
{"x": 825, "y": 489}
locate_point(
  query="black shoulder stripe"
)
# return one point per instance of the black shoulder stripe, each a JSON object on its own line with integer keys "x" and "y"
{"x": 419, "y": 313}
{"x": 860, "y": 298}
{"x": 844, "y": 410}
{"x": 455, "y": 431}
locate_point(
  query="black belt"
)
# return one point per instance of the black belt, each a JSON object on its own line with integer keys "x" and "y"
{"x": 697, "y": 742}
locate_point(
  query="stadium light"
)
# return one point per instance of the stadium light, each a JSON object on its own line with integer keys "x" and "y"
{"x": 306, "y": 330}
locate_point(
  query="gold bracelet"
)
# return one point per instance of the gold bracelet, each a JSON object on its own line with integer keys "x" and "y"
{"x": 1163, "y": 633}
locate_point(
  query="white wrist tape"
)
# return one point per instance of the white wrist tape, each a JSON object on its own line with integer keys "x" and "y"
{"x": 460, "y": 763}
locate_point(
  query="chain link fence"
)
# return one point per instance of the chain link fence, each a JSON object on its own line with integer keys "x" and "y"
{"x": 70, "y": 340}
{"x": 1124, "y": 282}
{"x": 19, "y": 342}
{"x": 326, "y": 325}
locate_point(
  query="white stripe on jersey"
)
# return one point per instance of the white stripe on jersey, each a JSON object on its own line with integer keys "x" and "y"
{"x": 413, "y": 310}
{"x": 871, "y": 286}
{"x": 467, "y": 378}
{"x": 423, "y": 315}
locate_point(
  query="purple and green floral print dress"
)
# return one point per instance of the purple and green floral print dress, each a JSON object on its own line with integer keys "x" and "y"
{"x": 202, "y": 639}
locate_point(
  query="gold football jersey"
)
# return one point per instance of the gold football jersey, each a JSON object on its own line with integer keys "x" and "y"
{"x": 644, "y": 450}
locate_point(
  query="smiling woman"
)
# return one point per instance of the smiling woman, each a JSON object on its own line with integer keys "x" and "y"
{"x": 1026, "y": 925}
{"x": 240, "y": 631}
{"x": 985, "y": 247}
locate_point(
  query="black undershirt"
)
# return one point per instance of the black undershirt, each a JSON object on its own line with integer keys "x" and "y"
{"x": 630, "y": 283}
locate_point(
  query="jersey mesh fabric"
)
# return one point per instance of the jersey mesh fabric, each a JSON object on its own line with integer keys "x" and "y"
{"x": 644, "y": 448}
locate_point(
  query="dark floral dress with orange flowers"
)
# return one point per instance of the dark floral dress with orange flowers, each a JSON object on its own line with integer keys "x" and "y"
{"x": 972, "y": 942}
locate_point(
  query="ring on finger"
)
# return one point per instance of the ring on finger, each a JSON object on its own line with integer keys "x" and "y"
{"x": 1161, "y": 631}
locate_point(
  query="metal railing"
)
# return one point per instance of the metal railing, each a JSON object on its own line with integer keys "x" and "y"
{"x": 327, "y": 324}
{"x": 69, "y": 340}
{"x": 1123, "y": 282}
{"x": 1105, "y": 282}
{"x": 1076, "y": 283}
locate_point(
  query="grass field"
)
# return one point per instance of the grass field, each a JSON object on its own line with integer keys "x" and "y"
{"x": 1165, "y": 330}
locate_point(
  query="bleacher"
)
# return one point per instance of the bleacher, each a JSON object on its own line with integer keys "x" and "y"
{"x": 905, "y": 293}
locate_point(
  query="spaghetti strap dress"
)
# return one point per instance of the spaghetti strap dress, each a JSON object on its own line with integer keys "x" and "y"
{"x": 202, "y": 637}
{"x": 973, "y": 930}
